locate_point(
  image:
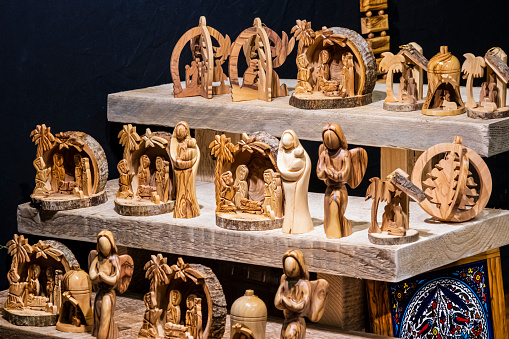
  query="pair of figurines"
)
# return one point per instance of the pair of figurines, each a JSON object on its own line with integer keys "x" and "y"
{"x": 158, "y": 173}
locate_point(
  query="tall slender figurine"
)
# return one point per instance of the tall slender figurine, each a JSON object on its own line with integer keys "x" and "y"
{"x": 295, "y": 167}
{"x": 108, "y": 272}
{"x": 185, "y": 157}
{"x": 338, "y": 166}
{"x": 298, "y": 297}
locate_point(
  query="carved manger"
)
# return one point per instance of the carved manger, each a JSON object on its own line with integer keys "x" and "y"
{"x": 185, "y": 301}
{"x": 146, "y": 178}
{"x": 249, "y": 194}
{"x": 71, "y": 170}
{"x": 35, "y": 289}
{"x": 336, "y": 68}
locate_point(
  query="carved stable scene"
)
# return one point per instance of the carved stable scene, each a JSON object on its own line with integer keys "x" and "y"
{"x": 492, "y": 99}
{"x": 205, "y": 68}
{"x": 444, "y": 74}
{"x": 185, "y": 301}
{"x": 71, "y": 170}
{"x": 411, "y": 63}
{"x": 35, "y": 281}
{"x": 146, "y": 179}
{"x": 248, "y": 317}
{"x": 249, "y": 192}
{"x": 336, "y": 68}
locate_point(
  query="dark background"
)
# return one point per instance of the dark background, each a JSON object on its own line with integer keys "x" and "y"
{"x": 60, "y": 60}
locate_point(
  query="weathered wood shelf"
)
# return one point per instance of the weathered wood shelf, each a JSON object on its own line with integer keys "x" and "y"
{"x": 368, "y": 125}
{"x": 439, "y": 244}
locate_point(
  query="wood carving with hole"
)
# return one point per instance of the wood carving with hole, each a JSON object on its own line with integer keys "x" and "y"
{"x": 206, "y": 65}
{"x": 459, "y": 185}
{"x": 336, "y": 68}
{"x": 249, "y": 192}
{"x": 492, "y": 99}
{"x": 248, "y": 317}
{"x": 184, "y": 301}
{"x": 298, "y": 297}
{"x": 395, "y": 228}
{"x": 338, "y": 166}
{"x": 35, "y": 281}
{"x": 71, "y": 170}
{"x": 146, "y": 180}
{"x": 444, "y": 74}
{"x": 280, "y": 48}
{"x": 185, "y": 158}
{"x": 411, "y": 63}
{"x": 257, "y": 79}
{"x": 110, "y": 273}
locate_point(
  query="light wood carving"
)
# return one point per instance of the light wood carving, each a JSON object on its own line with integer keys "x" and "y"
{"x": 281, "y": 48}
{"x": 458, "y": 187}
{"x": 184, "y": 301}
{"x": 146, "y": 185}
{"x": 298, "y": 297}
{"x": 185, "y": 158}
{"x": 249, "y": 193}
{"x": 444, "y": 75}
{"x": 108, "y": 272}
{"x": 71, "y": 170}
{"x": 248, "y": 317}
{"x": 338, "y": 166}
{"x": 257, "y": 79}
{"x": 294, "y": 165}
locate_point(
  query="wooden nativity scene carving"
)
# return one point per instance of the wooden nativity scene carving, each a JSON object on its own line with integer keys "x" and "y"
{"x": 71, "y": 170}
{"x": 336, "y": 68}
{"x": 249, "y": 192}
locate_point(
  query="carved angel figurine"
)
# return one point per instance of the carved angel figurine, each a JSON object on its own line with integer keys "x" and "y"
{"x": 42, "y": 176}
{"x": 108, "y": 272}
{"x": 338, "y": 166}
{"x": 185, "y": 157}
{"x": 124, "y": 181}
{"x": 295, "y": 167}
{"x": 298, "y": 297}
{"x": 152, "y": 313}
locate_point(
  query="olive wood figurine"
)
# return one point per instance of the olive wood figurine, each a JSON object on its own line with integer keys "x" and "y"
{"x": 248, "y": 317}
{"x": 338, "y": 166}
{"x": 298, "y": 297}
{"x": 294, "y": 165}
{"x": 185, "y": 158}
{"x": 108, "y": 272}
{"x": 71, "y": 170}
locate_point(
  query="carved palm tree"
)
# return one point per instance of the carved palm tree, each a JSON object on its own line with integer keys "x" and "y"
{"x": 304, "y": 34}
{"x": 157, "y": 271}
{"x": 20, "y": 251}
{"x": 42, "y": 249}
{"x": 223, "y": 149}
{"x": 43, "y": 138}
{"x": 473, "y": 67}
{"x": 391, "y": 64}
{"x": 151, "y": 140}
{"x": 129, "y": 139}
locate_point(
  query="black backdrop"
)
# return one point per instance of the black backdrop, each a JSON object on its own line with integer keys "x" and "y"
{"x": 60, "y": 59}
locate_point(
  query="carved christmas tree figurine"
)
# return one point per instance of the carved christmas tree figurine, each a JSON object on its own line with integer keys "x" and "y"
{"x": 492, "y": 100}
{"x": 298, "y": 297}
{"x": 185, "y": 157}
{"x": 453, "y": 192}
{"x": 248, "y": 185}
{"x": 336, "y": 68}
{"x": 411, "y": 63}
{"x": 444, "y": 75}
{"x": 206, "y": 65}
{"x": 185, "y": 301}
{"x": 145, "y": 182}
{"x": 34, "y": 297}
{"x": 109, "y": 272}
{"x": 338, "y": 166}
{"x": 61, "y": 181}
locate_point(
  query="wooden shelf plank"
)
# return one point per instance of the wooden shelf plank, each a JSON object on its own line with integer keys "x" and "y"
{"x": 368, "y": 125}
{"x": 440, "y": 243}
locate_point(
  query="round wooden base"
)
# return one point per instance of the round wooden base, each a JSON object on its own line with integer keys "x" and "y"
{"x": 403, "y": 107}
{"x": 318, "y": 100}
{"x": 443, "y": 112}
{"x": 28, "y": 317}
{"x": 247, "y": 222}
{"x": 69, "y": 328}
{"x": 62, "y": 202}
{"x": 480, "y": 113}
{"x": 386, "y": 239}
{"x": 142, "y": 207}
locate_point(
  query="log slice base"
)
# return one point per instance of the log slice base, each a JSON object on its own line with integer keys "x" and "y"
{"x": 61, "y": 202}
{"x": 403, "y": 107}
{"x": 142, "y": 207}
{"x": 386, "y": 239}
{"x": 318, "y": 100}
{"x": 27, "y": 317}
{"x": 479, "y": 113}
{"x": 247, "y": 222}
